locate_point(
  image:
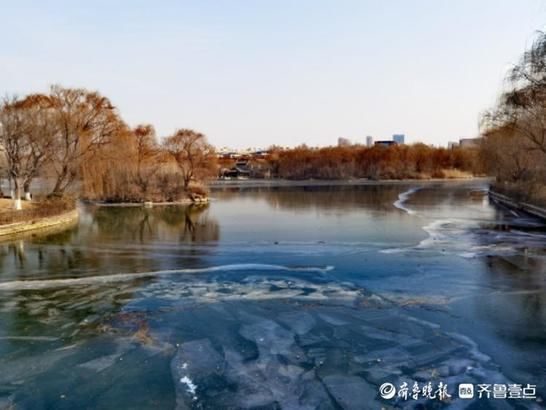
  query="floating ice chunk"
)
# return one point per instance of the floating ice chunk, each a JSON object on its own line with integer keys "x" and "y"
{"x": 101, "y": 363}
{"x": 387, "y": 357}
{"x": 263, "y": 382}
{"x": 192, "y": 365}
{"x": 474, "y": 350}
{"x": 299, "y": 322}
{"x": 198, "y": 358}
{"x": 351, "y": 392}
{"x": 269, "y": 336}
{"x": 333, "y": 320}
{"x": 104, "y": 362}
{"x": 389, "y": 336}
{"x": 25, "y": 368}
{"x": 381, "y": 373}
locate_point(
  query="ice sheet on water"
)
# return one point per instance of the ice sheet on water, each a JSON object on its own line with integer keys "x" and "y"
{"x": 351, "y": 392}
{"x": 269, "y": 336}
{"x": 23, "y": 367}
{"x": 193, "y": 363}
{"x": 198, "y": 358}
{"x": 122, "y": 277}
{"x": 300, "y": 322}
{"x": 104, "y": 362}
{"x": 269, "y": 382}
{"x": 335, "y": 321}
{"x": 471, "y": 238}
{"x": 289, "y": 359}
{"x": 193, "y": 291}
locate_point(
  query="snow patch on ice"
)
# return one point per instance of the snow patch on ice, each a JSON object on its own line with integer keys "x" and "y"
{"x": 190, "y": 386}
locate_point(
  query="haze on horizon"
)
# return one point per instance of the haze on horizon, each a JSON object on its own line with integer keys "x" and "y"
{"x": 285, "y": 73}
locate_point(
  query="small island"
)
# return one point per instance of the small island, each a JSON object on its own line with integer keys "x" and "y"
{"x": 71, "y": 144}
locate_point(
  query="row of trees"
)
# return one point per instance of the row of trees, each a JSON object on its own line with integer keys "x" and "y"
{"x": 418, "y": 161}
{"x": 514, "y": 147}
{"x": 74, "y": 135}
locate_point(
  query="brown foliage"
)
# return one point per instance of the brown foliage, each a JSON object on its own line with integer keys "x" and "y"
{"x": 134, "y": 167}
{"x": 396, "y": 162}
{"x": 192, "y": 154}
{"x": 75, "y": 135}
{"x": 86, "y": 121}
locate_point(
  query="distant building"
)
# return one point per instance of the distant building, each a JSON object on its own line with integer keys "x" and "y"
{"x": 241, "y": 170}
{"x": 452, "y": 144}
{"x": 343, "y": 142}
{"x": 386, "y": 143}
{"x": 469, "y": 142}
{"x": 369, "y": 141}
{"x": 399, "y": 138}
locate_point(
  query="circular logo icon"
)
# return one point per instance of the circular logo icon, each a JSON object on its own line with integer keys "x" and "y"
{"x": 387, "y": 390}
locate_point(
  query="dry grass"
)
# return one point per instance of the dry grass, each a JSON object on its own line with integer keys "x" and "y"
{"x": 451, "y": 173}
{"x": 6, "y": 205}
{"x": 32, "y": 210}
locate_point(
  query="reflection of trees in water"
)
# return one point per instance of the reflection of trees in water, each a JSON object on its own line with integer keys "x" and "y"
{"x": 111, "y": 240}
{"x": 518, "y": 316}
{"x": 347, "y": 197}
{"x": 374, "y": 197}
{"x": 173, "y": 223}
{"x": 197, "y": 226}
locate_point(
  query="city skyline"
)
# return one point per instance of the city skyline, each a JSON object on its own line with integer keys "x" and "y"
{"x": 269, "y": 74}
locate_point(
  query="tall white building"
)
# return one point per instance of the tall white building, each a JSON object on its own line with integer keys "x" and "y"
{"x": 369, "y": 141}
{"x": 343, "y": 142}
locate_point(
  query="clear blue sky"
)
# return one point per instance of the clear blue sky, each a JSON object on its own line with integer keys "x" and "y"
{"x": 256, "y": 73}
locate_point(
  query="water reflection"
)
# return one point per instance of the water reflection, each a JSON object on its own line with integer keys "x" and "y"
{"x": 111, "y": 240}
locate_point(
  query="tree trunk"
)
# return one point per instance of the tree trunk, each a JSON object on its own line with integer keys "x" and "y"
{"x": 26, "y": 190}
{"x": 17, "y": 200}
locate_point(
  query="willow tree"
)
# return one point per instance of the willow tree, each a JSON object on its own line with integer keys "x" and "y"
{"x": 192, "y": 154}
{"x": 85, "y": 122}
{"x": 148, "y": 156}
{"x": 515, "y": 130}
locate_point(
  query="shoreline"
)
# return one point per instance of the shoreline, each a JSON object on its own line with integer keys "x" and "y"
{"x": 36, "y": 225}
{"x": 533, "y": 210}
{"x": 259, "y": 183}
{"x": 146, "y": 204}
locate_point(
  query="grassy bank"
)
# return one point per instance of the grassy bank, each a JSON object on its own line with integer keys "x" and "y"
{"x": 33, "y": 210}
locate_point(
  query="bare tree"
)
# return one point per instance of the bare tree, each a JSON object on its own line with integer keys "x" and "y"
{"x": 86, "y": 121}
{"x": 27, "y": 136}
{"x": 522, "y": 108}
{"x": 514, "y": 147}
{"x": 194, "y": 157}
{"x": 149, "y": 157}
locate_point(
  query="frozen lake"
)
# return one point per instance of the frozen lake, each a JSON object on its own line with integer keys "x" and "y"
{"x": 278, "y": 297}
